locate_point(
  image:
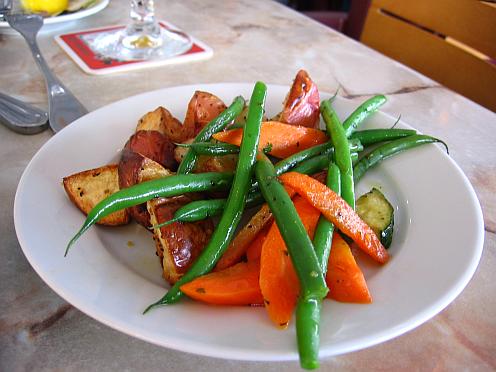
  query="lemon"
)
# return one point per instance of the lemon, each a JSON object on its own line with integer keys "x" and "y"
{"x": 51, "y": 7}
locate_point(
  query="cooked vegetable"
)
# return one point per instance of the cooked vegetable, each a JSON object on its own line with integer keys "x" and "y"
{"x": 162, "y": 121}
{"x": 278, "y": 281}
{"x": 378, "y": 213}
{"x": 142, "y": 192}
{"x": 322, "y": 240}
{"x": 299, "y": 245}
{"x": 235, "y": 204}
{"x": 177, "y": 245}
{"x": 341, "y": 152}
{"x": 323, "y": 149}
{"x": 235, "y": 285}
{"x": 201, "y": 209}
{"x": 362, "y": 112}
{"x": 372, "y": 136}
{"x": 152, "y": 145}
{"x": 336, "y": 210}
{"x": 210, "y": 148}
{"x": 254, "y": 250}
{"x": 217, "y": 124}
{"x": 284, "y": 139}
{"x": 344, "y": 278}
{"x": 389, "y": 149}
{"x": 195, "y": 210}
{"x": 86, "y": 189}
{"x": 237, "y": 248}
{"x": 136, "y": 168}
{"x": 306, "y": 265}
{"x": 308, "y": 331}
{"x": 283, "y": 268}
{"x": 203, "y": 107}
{"x": 317, "y": 163}
{"x": 301, "y": 106}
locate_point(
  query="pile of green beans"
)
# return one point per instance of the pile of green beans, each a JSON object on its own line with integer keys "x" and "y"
{"x": 198, "y": 210}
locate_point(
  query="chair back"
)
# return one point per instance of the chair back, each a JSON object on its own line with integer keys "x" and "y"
{"x": 450, "y": 41}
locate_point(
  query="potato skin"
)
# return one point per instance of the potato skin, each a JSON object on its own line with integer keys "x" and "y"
{"x": 302, "y": 104}
{"x": 202, "y": 108}
{"x": 135, "y": 168}
{"x": 153, "y": 145}
{"x": 177, "y": 244}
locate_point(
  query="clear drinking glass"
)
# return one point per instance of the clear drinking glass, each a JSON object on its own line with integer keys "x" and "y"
{"x": 143, "y": 38}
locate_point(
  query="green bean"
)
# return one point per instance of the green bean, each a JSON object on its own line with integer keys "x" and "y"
{"x": 215, "y": 149}
{"x": 142, "y": 192}
{"x": 389, "y": 149}
{"x": 341, "y": 152}
{"x": 196, "y": 210}
{"x": 305, "y": 262}
{"x": 323, "y": 149}
{"x": 201, "y": 209}
{"x": 308, "y": 331}
{"x": 322, "y": 239}
{"x": 233, "y": 210}
{"x": 362, "y": 112}
{"x": 209, "y": 148}
{"x": 216, "y": 125}
{"x": 308, "y": 311}
{"x": 372, "y": 136}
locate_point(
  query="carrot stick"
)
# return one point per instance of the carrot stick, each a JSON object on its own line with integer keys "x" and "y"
{"x": 236, "y": 285}
{"x": 336, "y": 210}
{"x": 283, "y": 139}
{"x": 344, "y": 278}
{"x": 254, "y": 250}
{"x": 278, "y": 281}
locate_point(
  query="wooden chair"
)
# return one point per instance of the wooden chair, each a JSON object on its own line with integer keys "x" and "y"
{"x": 451, "y": 41}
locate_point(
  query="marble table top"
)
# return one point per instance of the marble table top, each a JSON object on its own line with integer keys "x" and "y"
{"x": 252, "y": 40}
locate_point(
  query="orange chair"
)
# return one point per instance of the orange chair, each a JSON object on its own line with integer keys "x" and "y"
{"x": 451, "y": 41}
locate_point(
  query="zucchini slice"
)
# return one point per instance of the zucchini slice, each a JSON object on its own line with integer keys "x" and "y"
{"x": 378, "y": 213}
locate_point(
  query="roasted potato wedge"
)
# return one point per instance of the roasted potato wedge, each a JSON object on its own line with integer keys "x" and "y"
{"x": 302, "y": 104}
{"x": 135, "y": 168}
{"x": 153, "y": 145}
{"x": 177, "y": 244}
{"x": 86, "y": 189}
{"x": 202, "y": 108}
{"x": 162, "y": 121}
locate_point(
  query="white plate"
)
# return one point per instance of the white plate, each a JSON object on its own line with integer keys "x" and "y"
{"x": 95, "y": 8}
{"x": 437, "y": 244}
